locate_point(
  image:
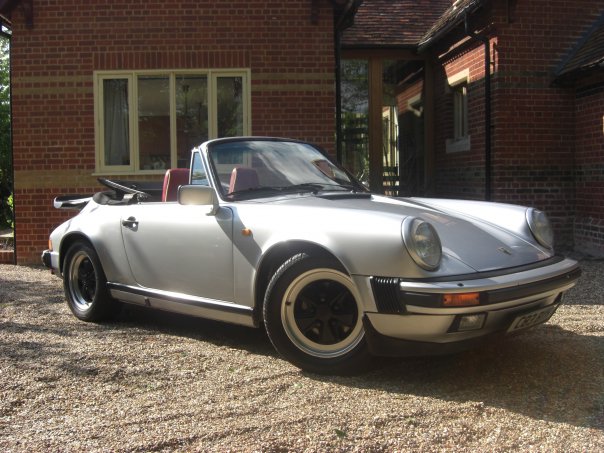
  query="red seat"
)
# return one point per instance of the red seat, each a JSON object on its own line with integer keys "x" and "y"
{"x": 174, "y": 178}
{"x": 243, "y": 178}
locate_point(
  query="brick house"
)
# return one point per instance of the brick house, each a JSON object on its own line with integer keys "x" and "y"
{"x": 400, "y": 82}
{"x": 542, "y": 97}
{"x": 183, "y": 70}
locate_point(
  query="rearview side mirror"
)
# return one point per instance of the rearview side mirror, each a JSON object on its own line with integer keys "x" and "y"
{"x": 199, "y": 196}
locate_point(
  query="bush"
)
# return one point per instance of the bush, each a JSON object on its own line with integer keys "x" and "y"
{"x": 6, "y": 174}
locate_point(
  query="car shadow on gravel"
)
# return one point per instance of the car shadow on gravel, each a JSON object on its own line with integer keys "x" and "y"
{"x": 548, "y": 374}
{"x": 215, "y": 332}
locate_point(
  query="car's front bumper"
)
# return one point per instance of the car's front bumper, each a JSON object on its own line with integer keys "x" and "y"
{"x": 50, "y": 259}
{"x": 410, "y": 318}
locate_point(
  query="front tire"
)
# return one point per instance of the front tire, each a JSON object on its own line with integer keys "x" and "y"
{"x": 85, "y": 285}
{"x": 313, "y": 317}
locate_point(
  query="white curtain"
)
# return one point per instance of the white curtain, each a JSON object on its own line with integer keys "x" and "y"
{"x": 116, "y": 130}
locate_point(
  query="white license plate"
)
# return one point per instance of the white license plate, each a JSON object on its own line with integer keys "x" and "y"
{"x": 533, "y": 318}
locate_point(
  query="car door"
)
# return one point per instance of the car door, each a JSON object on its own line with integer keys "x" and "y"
{"x": 177, "y": 248}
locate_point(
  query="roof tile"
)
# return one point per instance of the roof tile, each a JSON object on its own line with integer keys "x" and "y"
{"x": 588, "y": 53}
{"x": 393, "y": 22}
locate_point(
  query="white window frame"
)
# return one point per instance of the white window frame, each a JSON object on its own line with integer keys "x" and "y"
{"x": 132, "y": 77}
{"x": 457, "y": 87}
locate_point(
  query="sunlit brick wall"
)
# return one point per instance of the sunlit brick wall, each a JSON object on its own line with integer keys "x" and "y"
{"x": 292, "y": 81}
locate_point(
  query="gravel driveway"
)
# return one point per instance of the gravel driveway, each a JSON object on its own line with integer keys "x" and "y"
{"x": 157, "y": 382}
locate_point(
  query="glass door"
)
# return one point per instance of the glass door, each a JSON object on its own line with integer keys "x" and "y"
{"x": 381, "y": 136}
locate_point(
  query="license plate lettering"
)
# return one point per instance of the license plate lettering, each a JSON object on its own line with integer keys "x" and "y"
{"x": 533, "y": 318}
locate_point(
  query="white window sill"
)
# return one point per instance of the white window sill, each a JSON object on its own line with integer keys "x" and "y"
{"x": 457, "y": 145}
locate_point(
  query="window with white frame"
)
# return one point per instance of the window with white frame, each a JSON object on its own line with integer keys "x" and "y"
{"x": 458, "y": 89}
{"x": 149, "y": 121}
{"x": 460, "y": 111}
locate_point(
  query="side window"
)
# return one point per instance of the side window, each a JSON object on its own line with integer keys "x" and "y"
{"x": 198, "y": 173}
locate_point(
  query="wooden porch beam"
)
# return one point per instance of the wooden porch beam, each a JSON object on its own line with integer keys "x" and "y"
{"x": 376, "y": 163}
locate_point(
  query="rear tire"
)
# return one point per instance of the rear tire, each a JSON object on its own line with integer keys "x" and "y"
{"x": 85, "y": 285}
{"x": 313, "y": 317}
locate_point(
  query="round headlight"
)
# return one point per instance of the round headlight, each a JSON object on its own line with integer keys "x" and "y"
{"x": 540, "y": 227}
{"x": 422, "y": 242}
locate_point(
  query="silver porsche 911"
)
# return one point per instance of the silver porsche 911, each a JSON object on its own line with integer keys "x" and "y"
{"x": 270, "y": 232}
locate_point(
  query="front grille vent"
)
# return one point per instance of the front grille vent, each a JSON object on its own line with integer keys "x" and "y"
{"x": 386, "y": 295}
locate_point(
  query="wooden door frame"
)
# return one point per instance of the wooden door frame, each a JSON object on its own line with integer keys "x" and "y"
{"x": 375, "y": 58}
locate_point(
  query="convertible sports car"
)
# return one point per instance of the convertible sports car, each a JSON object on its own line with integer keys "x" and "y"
{"x": 269, "y": 232}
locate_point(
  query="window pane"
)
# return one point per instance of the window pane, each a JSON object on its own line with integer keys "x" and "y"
{"x": 154, "y": 122}
{"x": 116, "y": 132}
{"x": 191, "y": 115}
{"x": 198, "y": 174}
{"x": 460, "y": 111}
{"x": 355, "y": 117}
{"x": 230, "y": 106}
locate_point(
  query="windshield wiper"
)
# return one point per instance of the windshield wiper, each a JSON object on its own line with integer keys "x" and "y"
{"x": 308, "y": 187}
{"x": 312, "y": 187}
{"x": 347, "y": 187}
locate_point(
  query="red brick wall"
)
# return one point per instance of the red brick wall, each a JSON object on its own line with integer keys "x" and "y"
{"x": 589, "y": 169}
{"x": 460, "y": 174}
{"x": 534, "y": 139}
{"x": 292, "y": 81}
{"x": 534, "y": 129}
{"x": 7, "y": 257}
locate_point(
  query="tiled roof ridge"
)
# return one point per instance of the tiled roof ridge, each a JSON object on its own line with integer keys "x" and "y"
{"x": 400, "y": 23}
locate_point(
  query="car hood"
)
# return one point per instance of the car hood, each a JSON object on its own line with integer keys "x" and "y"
{"x": 479, "y": 244}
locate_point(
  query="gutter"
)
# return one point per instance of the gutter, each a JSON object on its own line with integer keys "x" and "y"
{"x": 429, "y": 40}
{"x": 3, "y": 33}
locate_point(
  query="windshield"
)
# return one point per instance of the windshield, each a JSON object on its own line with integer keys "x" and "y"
{"x": 263, "y": 168}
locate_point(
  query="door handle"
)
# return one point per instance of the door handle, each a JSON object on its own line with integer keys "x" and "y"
{"x": 131, "y": 223}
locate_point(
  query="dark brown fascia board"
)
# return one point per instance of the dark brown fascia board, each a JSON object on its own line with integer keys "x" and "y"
{"x": 590, "y": 75}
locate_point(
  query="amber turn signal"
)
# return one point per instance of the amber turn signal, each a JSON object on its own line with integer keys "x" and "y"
{"x": 461, "y": 300}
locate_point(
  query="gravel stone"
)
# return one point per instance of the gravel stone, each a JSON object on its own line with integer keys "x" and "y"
{"x": 158, "y": 382}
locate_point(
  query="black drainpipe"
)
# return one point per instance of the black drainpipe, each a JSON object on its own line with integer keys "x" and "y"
{"x": 487, "y": 106}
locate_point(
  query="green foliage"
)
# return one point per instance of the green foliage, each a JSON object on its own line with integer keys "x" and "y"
{"x": 6, "y": 174}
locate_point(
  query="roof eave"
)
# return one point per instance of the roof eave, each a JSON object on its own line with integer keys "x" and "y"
{"x": 7, "y": 7}
{"x": 429, "y": 40}
{"x": 570, "y": 78}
